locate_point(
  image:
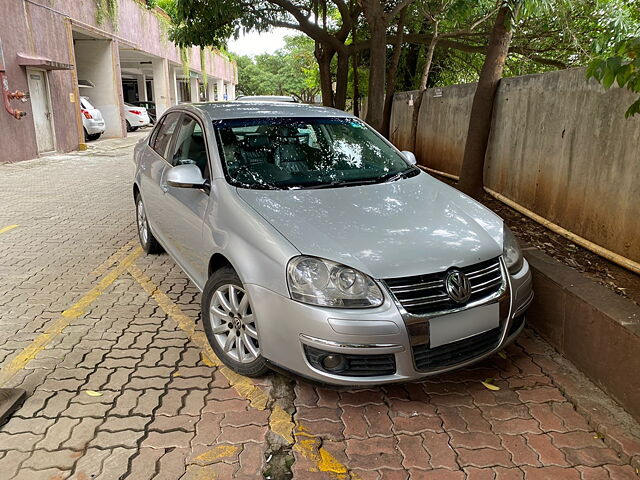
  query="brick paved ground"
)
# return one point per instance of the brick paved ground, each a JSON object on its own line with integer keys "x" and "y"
{"x": 164, "y": 410}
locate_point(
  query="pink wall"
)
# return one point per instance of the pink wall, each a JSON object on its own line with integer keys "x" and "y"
{"x": 40, "y": 33}
{"x": 143, "y": 29}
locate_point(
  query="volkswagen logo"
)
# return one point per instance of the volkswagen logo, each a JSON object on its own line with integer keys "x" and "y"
{"x": 457, "y": 285}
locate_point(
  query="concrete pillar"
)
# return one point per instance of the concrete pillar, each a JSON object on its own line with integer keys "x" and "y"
{"x": 161, "y": 85}
{"x": 211, "y": 90}
{"x": 142, "y": 87}
{"x": 194, "y": 89}
{"x": 174, "y": 86}
{"x": 231, "y": 91}
{"x": 98, "y": 61}
{"x": 220, "y": 89}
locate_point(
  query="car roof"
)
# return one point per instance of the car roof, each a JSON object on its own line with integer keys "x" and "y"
{"x": 245, "y": 109}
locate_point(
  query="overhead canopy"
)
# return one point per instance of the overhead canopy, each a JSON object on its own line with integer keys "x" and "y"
{"x": 42, "y": 62}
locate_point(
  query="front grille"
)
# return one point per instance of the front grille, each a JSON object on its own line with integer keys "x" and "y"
{"x": 354, "y": 365}
{"x": 424, "y": 294}
{"x": 426, "y": 358}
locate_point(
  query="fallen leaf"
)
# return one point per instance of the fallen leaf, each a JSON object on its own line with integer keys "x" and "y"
{"x": 490, "y": 386}
{"x": 502, "y": 355}
{"x": 93, "y": 393}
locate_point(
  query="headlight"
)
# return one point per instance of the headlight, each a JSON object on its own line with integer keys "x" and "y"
{"x": 330, "y": 284}
{"x": 511, "y": 251}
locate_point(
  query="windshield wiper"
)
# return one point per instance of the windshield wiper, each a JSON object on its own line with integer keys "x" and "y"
{"x": 397, "y": 176}
{"x": 343, "y": 183}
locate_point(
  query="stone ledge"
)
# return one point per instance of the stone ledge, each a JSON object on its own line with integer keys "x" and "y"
{"x": 591, "y": 326}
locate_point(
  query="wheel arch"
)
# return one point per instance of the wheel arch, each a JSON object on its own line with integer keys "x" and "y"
{"x": 216, "y": 262}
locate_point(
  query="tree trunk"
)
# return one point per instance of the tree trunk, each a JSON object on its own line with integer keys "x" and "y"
{"x": 392, "y": 75}
{"x": 472, "y": 171}
{"x": 342, "y": 81}
{"x": 356, "y": 77}
{"x": 324, "y": 55}
{"x": 376, "y": 20}
{"x": 415, "y": 116}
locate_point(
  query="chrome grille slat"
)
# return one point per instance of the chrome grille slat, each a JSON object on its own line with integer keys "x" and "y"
{"x": 426, "y": 300}
{"x": 484, "y": 272}
{"x": 413, "y": 288}
{"x": 482, "y": 286}
{"x": 424, "y": 294}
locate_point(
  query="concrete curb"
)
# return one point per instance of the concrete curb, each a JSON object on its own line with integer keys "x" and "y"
{"x": 595, "y": 329}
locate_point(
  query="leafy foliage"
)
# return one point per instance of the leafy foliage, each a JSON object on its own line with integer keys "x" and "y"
{"x": 290, "y": 70}
{"x": 622, "y": 67}
{"x": 107, "y": 9}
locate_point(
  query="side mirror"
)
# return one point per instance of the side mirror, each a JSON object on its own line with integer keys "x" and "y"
{"x": 185, "y": 176}
{"x": 410, "y": 157}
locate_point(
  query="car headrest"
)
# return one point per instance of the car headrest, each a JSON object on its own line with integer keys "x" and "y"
{"x": 257, "y": 141}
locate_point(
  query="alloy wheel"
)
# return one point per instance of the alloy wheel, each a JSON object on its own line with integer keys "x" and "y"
{"x": 233, "y": 323}
{"x": 143, "y": 228}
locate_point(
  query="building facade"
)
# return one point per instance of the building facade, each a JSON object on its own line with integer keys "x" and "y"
{"x": 59, "y": 50}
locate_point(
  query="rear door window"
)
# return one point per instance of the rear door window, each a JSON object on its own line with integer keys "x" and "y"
{"x": 163, "y": 138}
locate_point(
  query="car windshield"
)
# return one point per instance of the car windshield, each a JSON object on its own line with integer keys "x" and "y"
{"x": 286, "y": 153}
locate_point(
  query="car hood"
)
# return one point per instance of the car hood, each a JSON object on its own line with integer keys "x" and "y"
{"x": 408, "y": 227}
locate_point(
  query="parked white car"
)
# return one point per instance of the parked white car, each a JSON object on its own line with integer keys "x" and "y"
{"x": 136, "y": 117}
{"x": 268, "y": 99}
{"x": 92, "y": 120}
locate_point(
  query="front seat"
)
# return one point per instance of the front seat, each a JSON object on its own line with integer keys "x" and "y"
{"x": 288, "y": 155}
{"x": 255, "y": 150}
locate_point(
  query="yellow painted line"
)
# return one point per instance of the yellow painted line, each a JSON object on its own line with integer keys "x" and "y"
{"x": 310, "y": 446}
{"x": 8, "y": 228}
{"x": 76, "y": 310}
{"x": 280, "y": 422}
{"x": 217, "y": 453}
{"x": 113, "y": 259}
{"x": 243, "y": 385}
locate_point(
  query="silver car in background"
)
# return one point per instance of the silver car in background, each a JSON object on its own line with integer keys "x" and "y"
{"x": 321, "y": 249}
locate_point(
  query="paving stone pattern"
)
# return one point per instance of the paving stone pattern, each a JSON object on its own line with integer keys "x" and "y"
{"x": 162, "y": 412}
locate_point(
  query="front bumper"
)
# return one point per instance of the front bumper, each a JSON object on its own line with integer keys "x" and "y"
{"x": 289, "y": 331}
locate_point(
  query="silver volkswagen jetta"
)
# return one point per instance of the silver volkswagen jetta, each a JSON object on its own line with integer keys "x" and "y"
{"x": 322, "y": 249}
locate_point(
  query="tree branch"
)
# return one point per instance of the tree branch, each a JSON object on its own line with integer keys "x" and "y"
{"x": 396, "y": 10}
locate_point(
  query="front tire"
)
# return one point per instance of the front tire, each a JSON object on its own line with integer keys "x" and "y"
{"x": 147, "y": 240}
{"x": 230, "y": 324}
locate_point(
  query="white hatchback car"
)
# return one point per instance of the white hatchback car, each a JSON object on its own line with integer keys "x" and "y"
{"x": 135, "y": 117}
{"x": 322, "y": 249}
{"x": 92, "y": 120}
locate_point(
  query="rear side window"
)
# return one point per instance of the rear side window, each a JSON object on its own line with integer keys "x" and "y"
{"x": 86, "y": 104}
{"x": 163, "y": 137}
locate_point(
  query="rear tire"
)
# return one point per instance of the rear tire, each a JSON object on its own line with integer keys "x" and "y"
{"x": 129, "y": 129}
{"x": 230, "y": 324}
{"x": 94, "y": 136}
{"x": 148, "y": 242}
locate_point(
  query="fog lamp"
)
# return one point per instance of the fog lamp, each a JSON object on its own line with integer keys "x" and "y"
{"x": 332, "y": 362}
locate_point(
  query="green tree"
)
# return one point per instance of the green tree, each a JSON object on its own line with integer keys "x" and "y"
{"x": 291, "y": 70}
{"x": 617, "y": 52}
{"x": 622, "y": 67}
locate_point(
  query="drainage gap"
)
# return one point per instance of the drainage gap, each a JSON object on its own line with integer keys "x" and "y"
{"x": 278, "y": 454}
